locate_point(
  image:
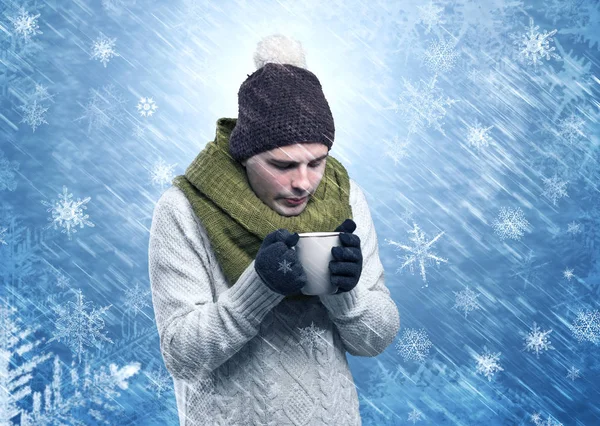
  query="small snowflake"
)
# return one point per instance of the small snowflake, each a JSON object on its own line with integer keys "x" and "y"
{"x": 68, "y": 214}
{"x": 80, "y": 324}
{"x": 511, "y": 223}
{"x": 136, "y": 299}
{"x": 103, "y": 108}
{"x": 587, "y": 326}
{"x": 311, "y": 337}
{"x": 430, "y": 15}
{"x": 537, "y": 340}
{"x": 440, "y": 57}
{"x": 146, "y": 107}
{"x": 422, "y": 106}
{"x": 526, "y": 270}
{"x": 284, "y": 266}
{"x": 162, "y": 174}
{"x": 419, "y": 252}
{"x": 103, "y": 49}
{"x": 8, "y": 171}
{"x": 487, "y": 364}
{"x": 478, "y": 136}
{"x": 414, "y": 344}
{"x": 554, "y": 189}
{"x": 160, "y": 381}
{"x": 570, "y": 129}
{"x": 466, "y": 300}
{"x": 33, "y": 114}
{"x": 574, "y": 228}
{"x": 537, "y": 420}
{"x": 25, "y": 25}
{"x": 2, "y": 232}
{"x": 398, "y": 149}
{"x": 535, "y": 46}
{"x": 568, "y": 274}
{"x": 415, "y": 416}
{"x": 573, "y": 373}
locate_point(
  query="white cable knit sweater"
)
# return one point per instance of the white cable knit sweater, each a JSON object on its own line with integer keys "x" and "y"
{"x": 242, "y": 355}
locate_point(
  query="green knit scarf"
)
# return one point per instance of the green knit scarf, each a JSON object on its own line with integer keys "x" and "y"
{"x": 237, "y": 221}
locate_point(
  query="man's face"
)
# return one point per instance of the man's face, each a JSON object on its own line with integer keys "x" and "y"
{"x": 292, "y": 171}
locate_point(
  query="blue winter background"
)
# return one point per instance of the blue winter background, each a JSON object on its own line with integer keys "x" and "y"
{"x": 472, "y": 127}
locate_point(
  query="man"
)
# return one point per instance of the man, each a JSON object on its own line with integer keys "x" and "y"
{"x": 243, "y": 344}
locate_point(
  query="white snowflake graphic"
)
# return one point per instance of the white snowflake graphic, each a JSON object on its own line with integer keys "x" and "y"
{"x": 537, "y": 420}
{"x": 146, "y": 107}
{"x": 570, "y": 129}
{"x": 537, "y": 340}
{"x": 414, "y": 416}
{"x": 103, "y": 49}
{"x": 136, "y": 299}
{"x": 159, "y": 381}
{"x": 62, "y": 281}
{"x": 79, "y": 324}
{"x": 466, "y": 301}
{"x": 510, "y": 223}
{"x": 285, "y": 266}
{"x": 573, "y": 373}
{"x": 554, "y": 189}
{"x": 33, "y": 114}
{"x": 478, "y": 137}
{"x": 586, "y": 326}
{"x": 430, "y": 15}
{"x": 535, "y": 46}
{"x": 68, "y": 214}
{"x": 440, "y": 57}
{"x": 8, "y": 171}
{"x": 103, "y": 108}
{"x": 574, "y": 228}
{"x": 414, "y": 345}
{"x": 25, "y": 24}
{"x": 526, "y": 270}
{"x": 488, "y": 364}
{"x": 41, "y": 93}
{"x": 422, "y": 106}
{"x": 568, "y": 274}
{"x": 398, "y": 149}
{"x": 419, "y": 252}
{"x": 162, "y": 174}
{"x": 311, "y": 337}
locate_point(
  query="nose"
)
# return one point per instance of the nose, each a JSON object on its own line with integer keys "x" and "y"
{"x": 300, "y": 180}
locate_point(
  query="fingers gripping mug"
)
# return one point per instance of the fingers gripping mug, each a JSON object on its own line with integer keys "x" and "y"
{"x": 314, "y": 252}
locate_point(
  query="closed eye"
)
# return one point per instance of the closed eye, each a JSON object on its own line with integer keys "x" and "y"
{"x": 289, "y": 166}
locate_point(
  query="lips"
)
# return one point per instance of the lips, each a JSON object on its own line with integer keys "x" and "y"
{"x": 295, "y": 201}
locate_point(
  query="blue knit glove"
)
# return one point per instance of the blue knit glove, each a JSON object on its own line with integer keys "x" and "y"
{"x": 277, "y": 263}
{"x": 347, "y": 262}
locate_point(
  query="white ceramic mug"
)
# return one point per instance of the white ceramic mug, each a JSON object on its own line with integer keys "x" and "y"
{"x": 314, "y": 252}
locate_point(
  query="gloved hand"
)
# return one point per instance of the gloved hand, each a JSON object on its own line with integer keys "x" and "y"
{"x": 347, "y": 262}
{"x": 277, "y": 263}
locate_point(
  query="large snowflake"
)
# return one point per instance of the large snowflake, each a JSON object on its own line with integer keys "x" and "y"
{"x": 25, "y": 24}
{"x": 440, "y": 57}
{"x": 103, "y": 49}
{"x": 554, "y": 189}
{"x": 7, "y": 173}
{"x": 510, "y": 223}
{"x": 414, "y": 345}
{"x": 537, "y": 340}
{"x": 535, "y": 46}
{"x": 162, "y": 173}
{"x": 478, "y": 136}
{"x": 68, "y": 214}
{"x": 419, "y": 252}
{"x": 33, "y": 114}
{"x": 80, "y": 324}
{"x": 466, "y": 300}
{"x": 422, "y": 106}
{"x": 586, "y": 326}
{"x": 488, "y": 364}
{"x": 311, "y": 337}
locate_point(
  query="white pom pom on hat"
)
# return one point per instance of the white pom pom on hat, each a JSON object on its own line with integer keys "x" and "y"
{"x": 279, "y": 49}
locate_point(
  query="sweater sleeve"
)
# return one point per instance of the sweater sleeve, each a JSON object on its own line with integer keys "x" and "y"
{"x": 197, "y": 334}
{"x": 366, "y": 317}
